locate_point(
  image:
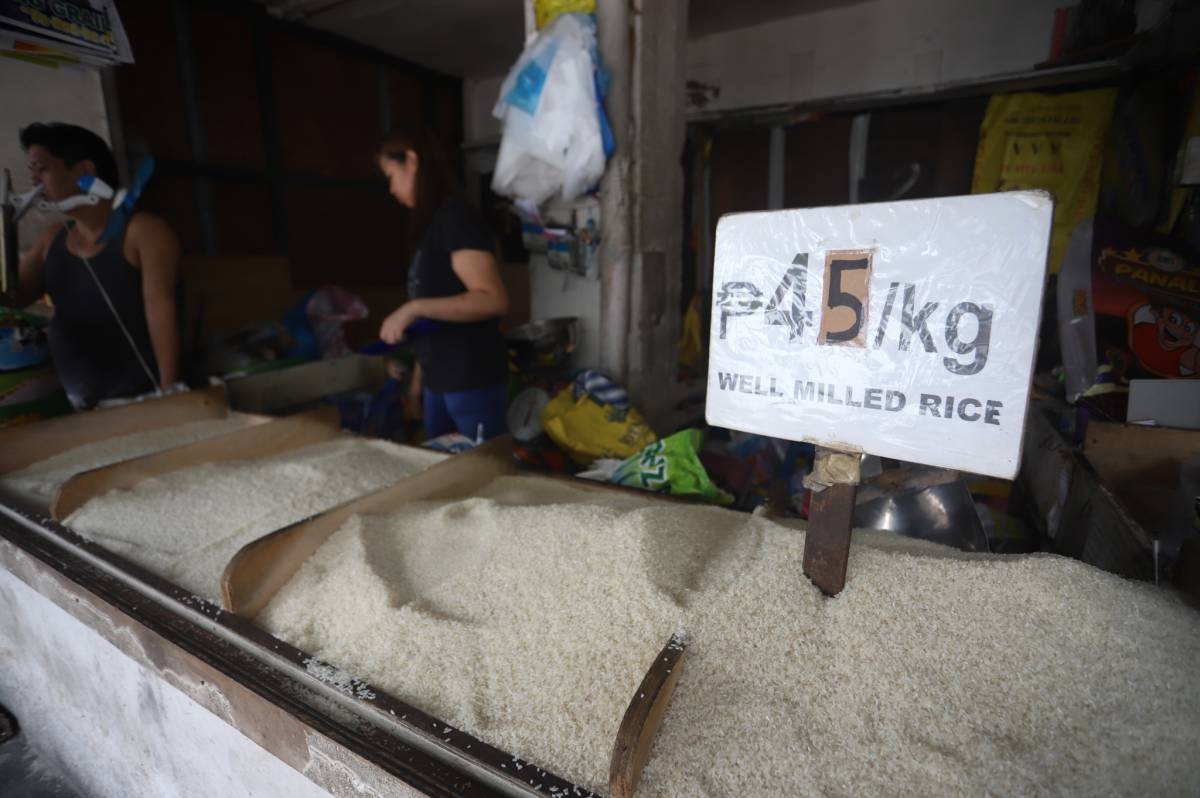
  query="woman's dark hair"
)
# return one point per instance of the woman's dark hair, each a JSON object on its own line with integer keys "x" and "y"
{"x": 72, "y": 144}
{"x": 435, "y": 181}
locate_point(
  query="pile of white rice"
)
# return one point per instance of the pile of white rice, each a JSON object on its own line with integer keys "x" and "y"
{"x": 186, "y": 525}
{"x": 529, "y": 616}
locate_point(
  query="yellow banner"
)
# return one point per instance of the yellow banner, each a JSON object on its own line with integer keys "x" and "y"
{"x": 1053, "y": 142}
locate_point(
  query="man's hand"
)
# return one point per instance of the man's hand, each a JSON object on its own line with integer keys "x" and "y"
{"x": 393, "y": 327}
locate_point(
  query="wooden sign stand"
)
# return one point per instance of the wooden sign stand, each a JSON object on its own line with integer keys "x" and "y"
{"x": 22, "y": 446}
{"x": 262, "y": 437}
{"x": 834, "y": 482}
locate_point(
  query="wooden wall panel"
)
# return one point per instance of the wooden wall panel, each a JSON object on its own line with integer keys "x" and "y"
{"x": 959, "y": 137}
{"x": 406, "y": 95}
{"x": 150, "y": 90}
{"x": 328, "y": 108}
{"x": 226, "y": 88}
{"x": 817, "y": 163}
{"x": 939, "y": 137}
{"x": 902, "y": 141}
{"x": 289, "y": 120}
{"x": 174, "y": 198}
{"x": 738, "y": 178}
{"x": 242, "y": 215}
{"x": 447, "y": 114}
{"x": 344, "y": 236}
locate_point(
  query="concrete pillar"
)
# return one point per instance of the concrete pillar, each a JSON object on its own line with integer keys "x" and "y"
{"x": 656, "y": 180}
{"x": 613, "y": 35}
{"x": 643, "y": 43}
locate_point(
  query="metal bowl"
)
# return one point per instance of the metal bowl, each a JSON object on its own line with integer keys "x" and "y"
{"x": 942, "y": 514}
{"x": 544, "y": 344}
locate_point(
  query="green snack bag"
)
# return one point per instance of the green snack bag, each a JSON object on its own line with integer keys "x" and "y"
{"x": 671, "y": 465}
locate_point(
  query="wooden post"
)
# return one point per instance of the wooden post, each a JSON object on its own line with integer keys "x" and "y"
{"x": 834, "y": 482}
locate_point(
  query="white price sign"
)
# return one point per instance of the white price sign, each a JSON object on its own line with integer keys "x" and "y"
{"x": 903, "y": 329}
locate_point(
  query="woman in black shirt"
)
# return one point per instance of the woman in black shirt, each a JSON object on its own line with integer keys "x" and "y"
{"x": 454, "y": 282}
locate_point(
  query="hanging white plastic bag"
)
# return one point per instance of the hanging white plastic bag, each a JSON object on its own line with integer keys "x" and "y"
{"x": 552, "y": 141}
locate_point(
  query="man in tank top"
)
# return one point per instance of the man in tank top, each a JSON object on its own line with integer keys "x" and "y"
{"x": 95, "y": 359}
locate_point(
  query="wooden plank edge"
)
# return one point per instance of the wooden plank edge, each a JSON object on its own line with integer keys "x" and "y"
{"x": 262, "y": 567}
{"x": 252, "y": 442}
{"x": 25, "y": 445}
{"x": 643, "y": 718}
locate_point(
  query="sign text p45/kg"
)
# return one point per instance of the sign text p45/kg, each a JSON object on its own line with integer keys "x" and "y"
{"x": 907, "y": 320}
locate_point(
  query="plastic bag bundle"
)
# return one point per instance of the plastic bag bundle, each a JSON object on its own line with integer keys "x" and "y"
{"x": 553, "y": 140}
{"x": 328, "y": 309}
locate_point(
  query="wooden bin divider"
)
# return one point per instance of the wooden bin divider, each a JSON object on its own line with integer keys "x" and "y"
{"x": 262, "y": 567}
{"x": 643, "y": 717}
{"x": 263, "y": 437}
{"x": 24, "y": 445}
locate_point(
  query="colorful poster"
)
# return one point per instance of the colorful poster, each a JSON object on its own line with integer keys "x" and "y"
{"x": 85, "y": 31}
